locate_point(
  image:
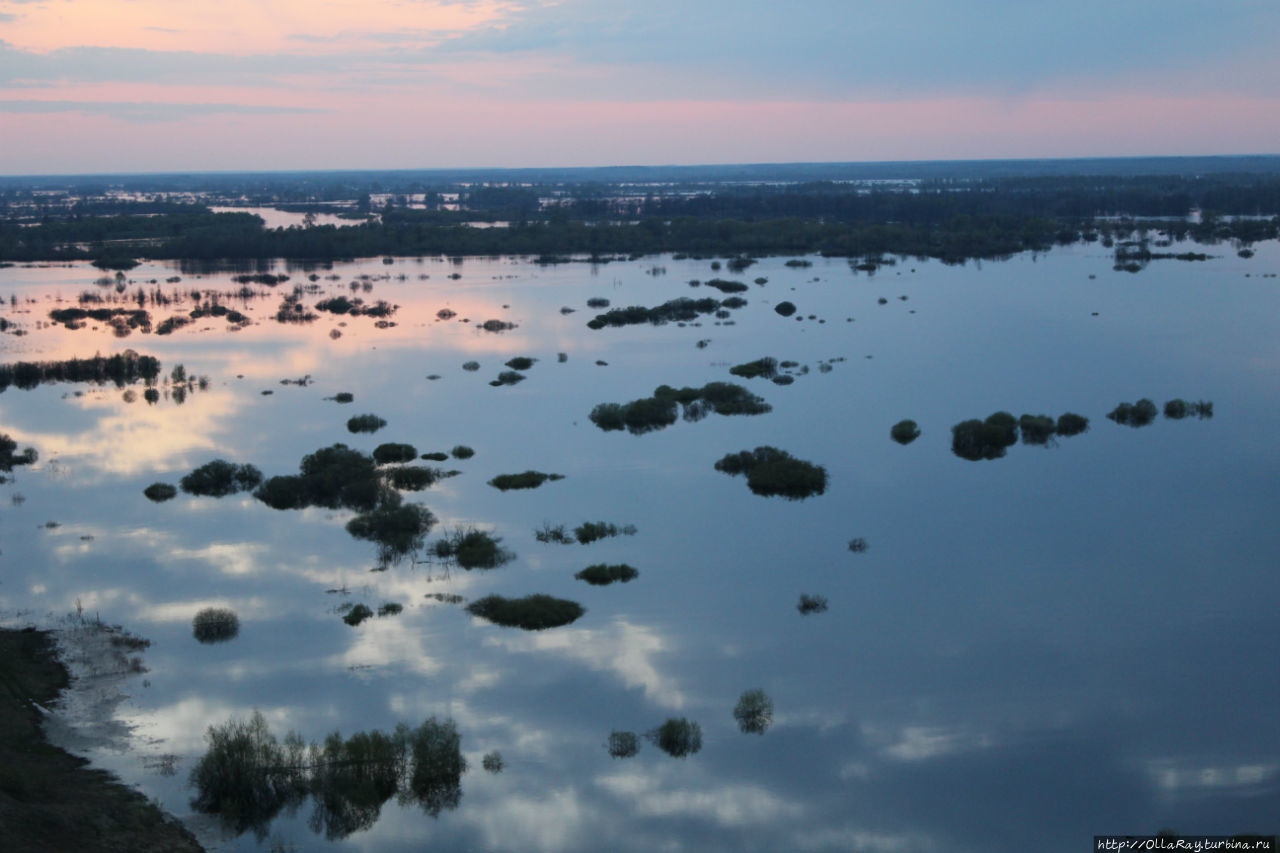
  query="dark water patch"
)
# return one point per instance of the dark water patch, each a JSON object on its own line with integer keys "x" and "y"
{"x": 530, "y": 613}
{"x": 220, "y": 478}
{"x": 754, "y": 712}
{"x": 523, "y": 480}
{"x": 601, "y": 574}
{"x": 772, "y": 472}
{"x": 215, "y": 625}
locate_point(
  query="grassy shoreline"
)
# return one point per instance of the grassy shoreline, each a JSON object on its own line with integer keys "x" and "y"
{"x": 50, "y": 800}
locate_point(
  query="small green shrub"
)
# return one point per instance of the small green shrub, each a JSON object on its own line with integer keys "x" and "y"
{"x": 220, "y": 478}
{"x": 1037, "y": 429}
{"x": 215, "y": 625}
{"x": 160, "y": 492}
{"x": 677, "y": 737}
{"x": 754, "y": 712}
{"x": 786, "y": 309}
{"x": 357, "y": 614}
{"x": 1137, "y": 414}
{"x": 473, "y": 549}
{"x": 773, "y": 472}
{"x": 507, "y": 377}
{"x": 461, "y": 451}
{"x": 397, "y": 530}
{"x": 532, "y": 613}
{"x": 343, "y": 397}
{"x": 603, "y": 575}
{"x": 905, "y": 432}
{"x": 858, "y": 545}
{"x": 765, "y": 368}
{"x": 989, "y": 439}
{"x": 622, "y": 744}
{"x": 471, "y": 366}
{"x": 811, "y": 604}
{"x": 492, "y": 762}
{"x": 549, "y": 533}
{"x": 524, "y": 480}
{"x": 412, "y": 478}
{"x": 391, "y": 452}
{"x": 1070, "y": 424}
{"x": 365, "y": 423}
{"x": 521, "y": 362}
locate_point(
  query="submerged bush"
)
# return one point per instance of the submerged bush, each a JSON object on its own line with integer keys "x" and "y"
{"x": 773, "y": 472}
{"x": 357, "y": 614}
{"x": 473, "y": 549}
{"x": 811, "y": 604}
{"x": 905, "y": 432}
{"x": 532, "y": 613}
{"x": 754, "y": 712}
{"x": 603, "y": 575}
{"x": 215, "y": 625}
{"x": 677, "y": 737}
{"x": 160, "y": 492}
{"x": 365, "y": 423}
{"x": 622, "y": 744}
{"x": 220, "y": 478}
{"x": 1070, "y": 424}
{"x": 397, "y": 530}
{"x": 989, "y": 439}
{"x": 524, "y": 480}
{"x": 392, "y": 452}
{"x": 1137, "y": 414}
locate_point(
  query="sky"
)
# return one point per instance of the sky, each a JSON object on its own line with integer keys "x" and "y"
{"x": 92, "y": 86}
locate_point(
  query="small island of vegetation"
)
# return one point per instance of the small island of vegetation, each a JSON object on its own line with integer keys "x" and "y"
{"x": 773, "y": 472}
{"x": 532, "y": 613}
{"x": 601, "y": 574}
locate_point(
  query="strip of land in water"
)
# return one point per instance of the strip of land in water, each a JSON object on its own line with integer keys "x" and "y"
{"x": 49, "y": 799}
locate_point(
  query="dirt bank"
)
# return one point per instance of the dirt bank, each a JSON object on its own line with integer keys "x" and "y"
{"x": 49, "y": 799}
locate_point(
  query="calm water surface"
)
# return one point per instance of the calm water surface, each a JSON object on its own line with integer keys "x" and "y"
{"x": 1068, "y": 641}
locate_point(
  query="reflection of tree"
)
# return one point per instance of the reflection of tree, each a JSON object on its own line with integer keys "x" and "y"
{"x": 247, "y": 777}
{"x": 754, "y": 712}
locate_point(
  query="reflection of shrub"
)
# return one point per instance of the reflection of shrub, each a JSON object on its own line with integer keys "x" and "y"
{"x": 724, "y": 286}
{"x": 435, "y": 457}
{"x": 438, "y": 766}
{"x": 677, "y": 737}
{"x": 473, "y": 549}
{"x": 492, "y": 762}
{"x": 215, "y": 625}
{"x": 471, "y": 366}
{"x": 365, "y": 423}
{"x": 532, "y": 613}
{"x": 159, "y": 492}
{"x": 659, "y": 411}
{"x": 754, "y": 712}
{"x": 343, "y": 397}
{"x": 1070, "y": 423}
{"x": 622, "y": 744}
{"x": 332, "y": 477}
{"x": 391, "y": 608}
{"x": 524, "y": 480}
{"x": 766, "y": 368}
{"x": 412, "y": 478}
{"x": 392, "y": 452}
{"x": 905, "y": 432}
{"x": 603, "y": 575}
{"x": 521, "y": 362}
{"x": 397, "y": 530}
{"x": 774, "y": 472}
{"x": 507, "y": 377}
{"x": 220, "y": 478}
{"x": 786, "y": 309}
{"x": 1037, "y": 429}
{"x": 357, "y": 614}
{"x": 1137, "y": 414}
{"x": 461, "y": 451}
{"x": 858, "y": 545}
{"x": 975, "y": 439}
{"x": 811, "y": 604}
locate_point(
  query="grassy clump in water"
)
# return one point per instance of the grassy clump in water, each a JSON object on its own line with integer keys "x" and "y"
{"x": 521, "y": 362}
{"x": 10, "y": 458}
{"x": 1178, "y": 409}
{"x": 553, "y": 533}
{"x": 160, "y": 492}
{"x": 461, "y": 451}
{"x": 357, "y": 614}
{"x": 785, "y": 309}
{"x": 590, "y": 531}
{"x": 773, "y": 472}
{"x": 220, "y": 478}
{"x": 344, "y": 397}
{"x": 725, "y": 286}
{"x": 763, "y": 368}
{"x": 413, "y": 478}
{"x": 904, "y": 432}
{"x": 1037, "y": 429}
{"x": 215, "y": 625}
{"x": 471, "y": 366}
{"x": 332, "y": 477}
{"x": 436, "y": 457}
{"x": 754, "y": 712}
{"x": 523, "y": 480}
{"x": 397, "y": 530}
{"x": 507, "y": 377}
{"x": 659, "y": 411}
{"x": 1137, "y": 414}
{"x": 677, "y": 310}
{"x": 989, "y": 439}
{"x": 677, "y": 737}
{"x": 1069, "y": 423}
{"x": 365, "y": 423}
{"x": 473, "y": 549}
{"x": 603, "y": 575}
{"x": 390, "y": 452}
{"x": 858, "y": 545}
{"x": 532, "y": 613}
{"x": 622, "y": 744}
{"x": 811, "y": 604}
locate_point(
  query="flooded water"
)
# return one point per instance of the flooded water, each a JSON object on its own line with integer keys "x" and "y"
{"x": 1071, "y": 640}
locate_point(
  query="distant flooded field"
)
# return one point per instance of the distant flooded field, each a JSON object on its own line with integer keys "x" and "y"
{"x": 530, "y": 539}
